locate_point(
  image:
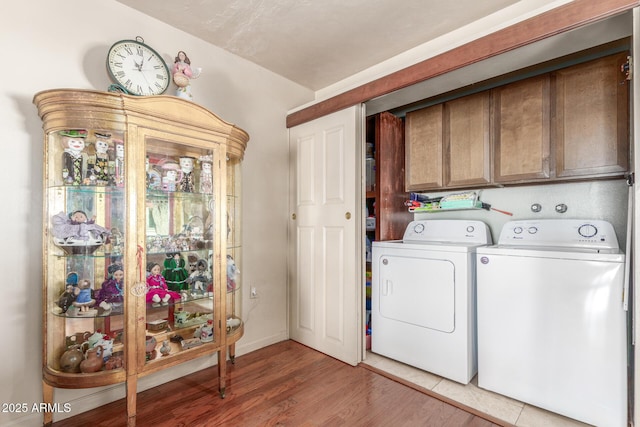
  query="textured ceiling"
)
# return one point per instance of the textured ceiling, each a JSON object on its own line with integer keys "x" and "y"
{"x": 318, "y": 42}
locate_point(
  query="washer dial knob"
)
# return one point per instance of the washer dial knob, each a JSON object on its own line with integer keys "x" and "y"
{"x": 587, "y": 230}
{"x": 418, "y": 228}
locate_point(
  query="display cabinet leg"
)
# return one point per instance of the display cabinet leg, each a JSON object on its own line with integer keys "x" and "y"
{"x": 232, "y": 353}
{"x": 47, "y": 397}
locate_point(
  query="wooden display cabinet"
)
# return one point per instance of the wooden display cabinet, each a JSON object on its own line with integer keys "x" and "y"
{"x": 132, "y": 183}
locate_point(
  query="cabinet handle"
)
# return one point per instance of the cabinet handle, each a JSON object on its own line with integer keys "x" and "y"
{"x": 293, "y": 216}
{"x": 347, "y": 215}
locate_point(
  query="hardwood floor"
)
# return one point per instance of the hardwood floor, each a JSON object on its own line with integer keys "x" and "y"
{"x": 285, "y": 384}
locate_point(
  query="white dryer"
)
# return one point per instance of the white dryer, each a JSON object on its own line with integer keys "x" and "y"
{"x": 423, "y": 297}
{"x": 551, "y": 320}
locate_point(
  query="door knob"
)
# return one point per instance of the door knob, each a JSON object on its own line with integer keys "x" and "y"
{"x": 293, "y": 216}
{"x": 347, "y": 215}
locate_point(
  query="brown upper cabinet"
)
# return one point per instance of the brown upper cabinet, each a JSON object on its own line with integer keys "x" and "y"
{"x": 521, "y": 130}
{"x": 448, "y": 144}
{"x": 592, "y": 118}
{"x": 572, "y": 123}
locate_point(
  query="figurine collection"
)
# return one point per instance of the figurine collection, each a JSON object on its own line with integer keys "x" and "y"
{"x": 97, "y": 158}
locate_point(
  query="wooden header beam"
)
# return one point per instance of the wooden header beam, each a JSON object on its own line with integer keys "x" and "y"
{"x": 561, "y": 19}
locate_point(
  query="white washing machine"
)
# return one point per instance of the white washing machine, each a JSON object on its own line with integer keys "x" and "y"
{"x": 551, "y": 319}
{"x": 423, "y": 297}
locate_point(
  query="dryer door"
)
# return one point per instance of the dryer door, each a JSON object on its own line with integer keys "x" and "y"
{"x": 419, "y": 291}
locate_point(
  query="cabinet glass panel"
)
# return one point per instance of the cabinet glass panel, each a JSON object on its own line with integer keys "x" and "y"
{"x": 234, "y": 252}
{"x": 83, "y": 251}
{"x": 180, "y": 251}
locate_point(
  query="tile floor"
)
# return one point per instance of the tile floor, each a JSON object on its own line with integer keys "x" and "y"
{"x": 496, "y": 405}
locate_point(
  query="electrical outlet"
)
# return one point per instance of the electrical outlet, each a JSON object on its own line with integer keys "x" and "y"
{"x": 254, "y": 292}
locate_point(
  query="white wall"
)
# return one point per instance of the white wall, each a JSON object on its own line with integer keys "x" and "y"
{"x": 63, "y": 44}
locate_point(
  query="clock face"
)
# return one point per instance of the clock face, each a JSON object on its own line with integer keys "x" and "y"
{"x": 137, "y": 68}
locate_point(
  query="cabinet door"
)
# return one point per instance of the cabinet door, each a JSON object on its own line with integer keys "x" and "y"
{"x": 85, "y": 207}
{"x": 592, "y": 125}
{"x": 521, "y": 134}
{"x": 392, "y": 215}
{"x": 424, "y": 142}
{"x": 467, "y": 141}
{"x": 182, "y": 202}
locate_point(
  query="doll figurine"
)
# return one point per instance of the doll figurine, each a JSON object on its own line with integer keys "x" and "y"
{"x": 182, "y": 75}
{"x": 206, "y": 177}
{"x": 175, "y": 272}
{"x": 98, "y": 164}
{"x": 73, "y": 158}
{"x": 67, "y": 298}
{"x": 232, "y": 273}
{"x": 200, "y": 278}
{"x": 84, "y": 296}
{"x": 77, "y": 226}
{"x": 154, "y": 179}
{"x": 186, "y": 181}
{"x": 118, "y": 169}
{"x": 112, "y": 292}
{"x": 157, "y": 291}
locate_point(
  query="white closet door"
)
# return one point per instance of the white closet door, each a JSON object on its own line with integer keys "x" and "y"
{"x": 325, "y": 234}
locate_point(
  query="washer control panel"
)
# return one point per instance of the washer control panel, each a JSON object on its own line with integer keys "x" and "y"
{"x": 575, "y": 233}
{"x": 448, "y": 231}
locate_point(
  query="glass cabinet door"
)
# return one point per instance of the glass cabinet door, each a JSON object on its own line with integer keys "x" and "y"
{"x": 181, "y": 248}
{"x": 234, "y": 324}
{"x": 83, "y": 248}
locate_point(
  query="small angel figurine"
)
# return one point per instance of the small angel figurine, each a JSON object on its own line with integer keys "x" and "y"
{"x": 182, "y": 75}
{"x": 73, "y": 158}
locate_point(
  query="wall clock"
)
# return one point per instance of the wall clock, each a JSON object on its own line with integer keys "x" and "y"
{"x": 136, "y": 68}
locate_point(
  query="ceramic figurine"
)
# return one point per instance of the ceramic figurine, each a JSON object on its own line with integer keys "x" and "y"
{"x": 118, "y": 172}
{"x": 73, "y": 158}
{"x": 171, "y": 175}
{"x": 66, "y": 299}
{"x": 157, "y": 291}
{"x": 206, "y": 176}
{"x": 186, "y": 181}
{"x": 175, "y": 272}
{"x": 111, "y": 295}
{"x": 154, "y": 178}
{"x": 232, "y": 273}
{"x": 205, "y": 332}
{"x": 166, "y": 348}
{"x": 181, "y": 317}
{"x": 150, "y": 347}
{"x": 117, "y": 242}
{"x": 182, "y": 75}
{"x": 98, "y": 164}
{"x": 84, "y": 296}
